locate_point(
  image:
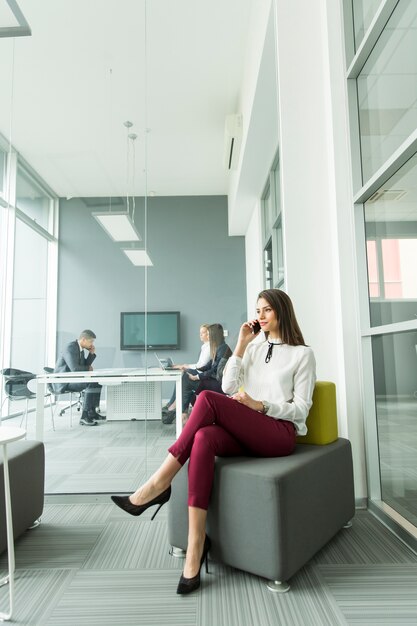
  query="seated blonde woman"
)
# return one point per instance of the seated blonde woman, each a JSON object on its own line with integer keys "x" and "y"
{"x": 168, "y": 411}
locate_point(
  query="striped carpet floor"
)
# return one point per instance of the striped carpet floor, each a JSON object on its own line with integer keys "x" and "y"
{"x": 91, "y": 564}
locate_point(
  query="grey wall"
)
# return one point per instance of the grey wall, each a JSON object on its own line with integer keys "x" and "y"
{"x": 198, "y": 270}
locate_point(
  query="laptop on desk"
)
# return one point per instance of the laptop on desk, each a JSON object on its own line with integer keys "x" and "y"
{"x": 166, "y": 364}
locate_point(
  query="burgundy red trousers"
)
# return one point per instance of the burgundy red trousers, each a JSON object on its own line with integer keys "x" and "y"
{"x": 221, "y": 426}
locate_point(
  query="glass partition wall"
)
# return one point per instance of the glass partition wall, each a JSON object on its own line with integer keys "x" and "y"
{"x": 94, "y": 280}
{"x": 67, "y": 270}
{"x": 63, "y": 272}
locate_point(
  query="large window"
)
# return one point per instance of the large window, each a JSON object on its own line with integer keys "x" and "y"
{"x": 395, "y": 380}
{"x": 27, "y": 270}
{"x": 31, "y": 198}
{"x": 383, "y": 90}
{"x": 272, "y": 231}
{"x": 387, "y": 89}
{"x": 391, "y": 237}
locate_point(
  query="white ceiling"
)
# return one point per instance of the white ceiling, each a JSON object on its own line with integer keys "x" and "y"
{"x": 68, "y": 88}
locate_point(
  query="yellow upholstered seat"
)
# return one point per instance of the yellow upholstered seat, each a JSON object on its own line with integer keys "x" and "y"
{"x": 322, "y": 419}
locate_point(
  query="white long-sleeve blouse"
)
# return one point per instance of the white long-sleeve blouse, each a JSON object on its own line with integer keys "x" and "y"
{"x": 286, "y": 383}
{"x": 204, "y": 356}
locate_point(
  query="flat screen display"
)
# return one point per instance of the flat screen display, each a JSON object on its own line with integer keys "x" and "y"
{"x": 154, "y": 330}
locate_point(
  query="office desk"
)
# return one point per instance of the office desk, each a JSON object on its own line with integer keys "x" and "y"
{"x": 106, "y": 377}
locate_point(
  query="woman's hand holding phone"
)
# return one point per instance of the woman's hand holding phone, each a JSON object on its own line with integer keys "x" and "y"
{"x": 248, "y": 332}
{"x": 256, "y": 327}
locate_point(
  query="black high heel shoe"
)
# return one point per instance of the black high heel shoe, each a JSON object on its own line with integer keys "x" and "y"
{"x": 137, "y": 509}
{"x": 169, "y": 417}
{"x": 186, "y": 585}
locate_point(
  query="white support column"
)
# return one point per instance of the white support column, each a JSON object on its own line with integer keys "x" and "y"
{"x": 320, "y": 258}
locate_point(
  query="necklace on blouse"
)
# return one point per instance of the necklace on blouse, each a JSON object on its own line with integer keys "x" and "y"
{"x": 271, "y": 345}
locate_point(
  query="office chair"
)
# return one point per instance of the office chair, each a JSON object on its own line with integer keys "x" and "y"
{"x": 15, "y": 388}
{"x": 55, "y": 395}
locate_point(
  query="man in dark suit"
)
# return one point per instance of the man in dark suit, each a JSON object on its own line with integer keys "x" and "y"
{"x": 73, "y": 359}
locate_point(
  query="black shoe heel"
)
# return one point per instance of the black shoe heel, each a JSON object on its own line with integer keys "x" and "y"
{"x": 187, "y": 585}
{"x": 157, "y": 510}
{"x": 137, "y": 509}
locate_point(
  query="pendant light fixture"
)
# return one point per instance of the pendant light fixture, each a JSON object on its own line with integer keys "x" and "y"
{"x": 120, "y": 225}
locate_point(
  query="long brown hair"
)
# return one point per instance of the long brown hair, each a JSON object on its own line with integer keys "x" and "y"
{"x": 216, "y": 337}
{"x": 288, "y": 326}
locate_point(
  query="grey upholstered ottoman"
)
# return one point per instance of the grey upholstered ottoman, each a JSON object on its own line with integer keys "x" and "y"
{"x": 270, "y": 516}
{"x": 27, "y": 477}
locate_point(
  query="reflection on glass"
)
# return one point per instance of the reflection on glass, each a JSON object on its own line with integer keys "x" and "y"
{"x": 363, "y": 14}
{"x": 387, "y": 90}
{"x": 31, "y": 199}
{"x": 395, "y": 375}
{"x": 391, "y": 241}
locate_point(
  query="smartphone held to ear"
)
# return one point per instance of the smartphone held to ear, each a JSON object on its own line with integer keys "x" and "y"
{"x": 256, "y": 327}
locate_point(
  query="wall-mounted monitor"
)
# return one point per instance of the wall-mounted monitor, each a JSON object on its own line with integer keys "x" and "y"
{"x": 154, "y": 330}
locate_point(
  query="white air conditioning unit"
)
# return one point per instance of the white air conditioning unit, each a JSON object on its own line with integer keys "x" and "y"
{"x": 232, "y": 140}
